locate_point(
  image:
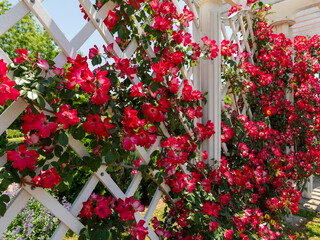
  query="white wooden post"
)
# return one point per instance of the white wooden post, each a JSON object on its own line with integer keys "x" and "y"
{"x": 210, "y": 75}
{"x": 283, "y": 26}
{"x": 307, "y": 192}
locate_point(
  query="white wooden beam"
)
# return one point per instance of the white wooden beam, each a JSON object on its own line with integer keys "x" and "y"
{"x": 76, "y": 206}
{"x": 307, "y": 192}
{"x": 210, "y": 76}
{"x": 14, "y": 209}
{"x": 43, "y": 16}
{"x": 288, "y": 9}
{"x": 55, "y": 207}
{"x": 11, "y": 114}
{"x": 13, "y": 16}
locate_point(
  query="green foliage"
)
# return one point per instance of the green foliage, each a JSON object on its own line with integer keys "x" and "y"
{"x": 310, "y": 215}
{"x": 27, "y": 34}
{"x": 34, "y": 222}
{"x": 3, "y": 141}
{"x": 310, "y": 230}
{"x": 14, "y": 133}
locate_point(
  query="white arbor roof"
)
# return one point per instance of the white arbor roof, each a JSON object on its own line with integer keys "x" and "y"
{"x": 305, "y": 13}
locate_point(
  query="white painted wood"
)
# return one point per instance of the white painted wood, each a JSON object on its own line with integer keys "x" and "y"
{"x": 14, "y": 209}
{"x": 43, "y": 16}
{"x": 134, "y": 184}
{"x": 307, "y": 192}
{"x": 3, "y": 160}
{"x": 234, "y": 28}
{"x": 247, "y": 106}
{"x": 11, "y": 114}
{"x": 245, "y": 35}
{"x": 248, "y": 16}
{"x": 78, "y": 147}
{"x": 55, "y": 207}
{"x": 108, "y": 182}
{"x": 113, "y": 188}
{"x": 7, "y": 60}
{"x": 193, "y": 8}
{"x": 69, "y": 49}
{"x": 185, "y": 29}
{"x": 289, "y": 8}
{"x": 152, "y": 207}
{"x": 132, "y": 47}
{"x": 81, "y": 37}
{"x": 100, "y": 26}
{"x": 76, "y": 206}
{"x": 210, "y": 76}
{"x": 164, "y": 130}
{"x": 143, "y": 154}
{"x": 13, "y": 16}
{"x": 146, "y": 159}
{"x": 4, "y": 56}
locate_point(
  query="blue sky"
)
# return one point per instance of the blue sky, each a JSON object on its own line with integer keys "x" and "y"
{"x": 68, "y": 17}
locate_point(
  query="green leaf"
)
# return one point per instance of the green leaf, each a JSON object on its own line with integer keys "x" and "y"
{"x": 58, "y": 150}
{"x": 5, "y": 198}
{"x": 93, "y": 162}
{"x": 65, "y": 157}
{"x": 108, "y": 236}
{"x": 154, "y": 87}
{"x": 115, "y": 117}
{"x": 110, "y": 157}
{"x": 78, "y": 133}
{"x": 96, "y": 60}
{"x": 130, "y": 10}
{"x": 3, "y": 208}
{"x": 121, "y": 32}
{"x": 49, "y": 156}
{"x": 96, "y": 109}
{"x": 95, "y": 234}
{"x": 4, "y": 184}
{"x": 66, "y": 182}
{"x": 63, "y": 139}
{"x": 41, "y": 102}
{"x": 45, "y": 167}
{"x": 82, "y": 237}
{"x": 113, "y": 80}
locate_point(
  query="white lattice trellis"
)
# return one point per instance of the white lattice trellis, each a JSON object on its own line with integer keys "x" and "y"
{"x": 239, "y": 27}
{"x": 69, "y": 49}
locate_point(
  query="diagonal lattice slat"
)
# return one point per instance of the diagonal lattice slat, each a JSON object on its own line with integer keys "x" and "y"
{"x": 238, "y": 27}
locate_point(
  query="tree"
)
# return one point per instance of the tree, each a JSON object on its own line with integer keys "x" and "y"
{"x": 27, "y": 34}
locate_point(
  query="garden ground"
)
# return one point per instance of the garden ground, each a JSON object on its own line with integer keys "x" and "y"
{"x": 306, "y": 224}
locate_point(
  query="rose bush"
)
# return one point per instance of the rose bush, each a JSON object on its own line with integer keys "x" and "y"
{"x": 126, "y": 104}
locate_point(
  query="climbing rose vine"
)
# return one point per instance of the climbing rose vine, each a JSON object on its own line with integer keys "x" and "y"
{"x": 122, "y": 105}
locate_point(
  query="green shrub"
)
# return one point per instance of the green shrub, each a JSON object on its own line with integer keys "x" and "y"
{"x": 3, "y": 142}
{"x": 34, "y": 221}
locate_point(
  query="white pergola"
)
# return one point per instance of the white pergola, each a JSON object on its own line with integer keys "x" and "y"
{"x": 293, "y": 20}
